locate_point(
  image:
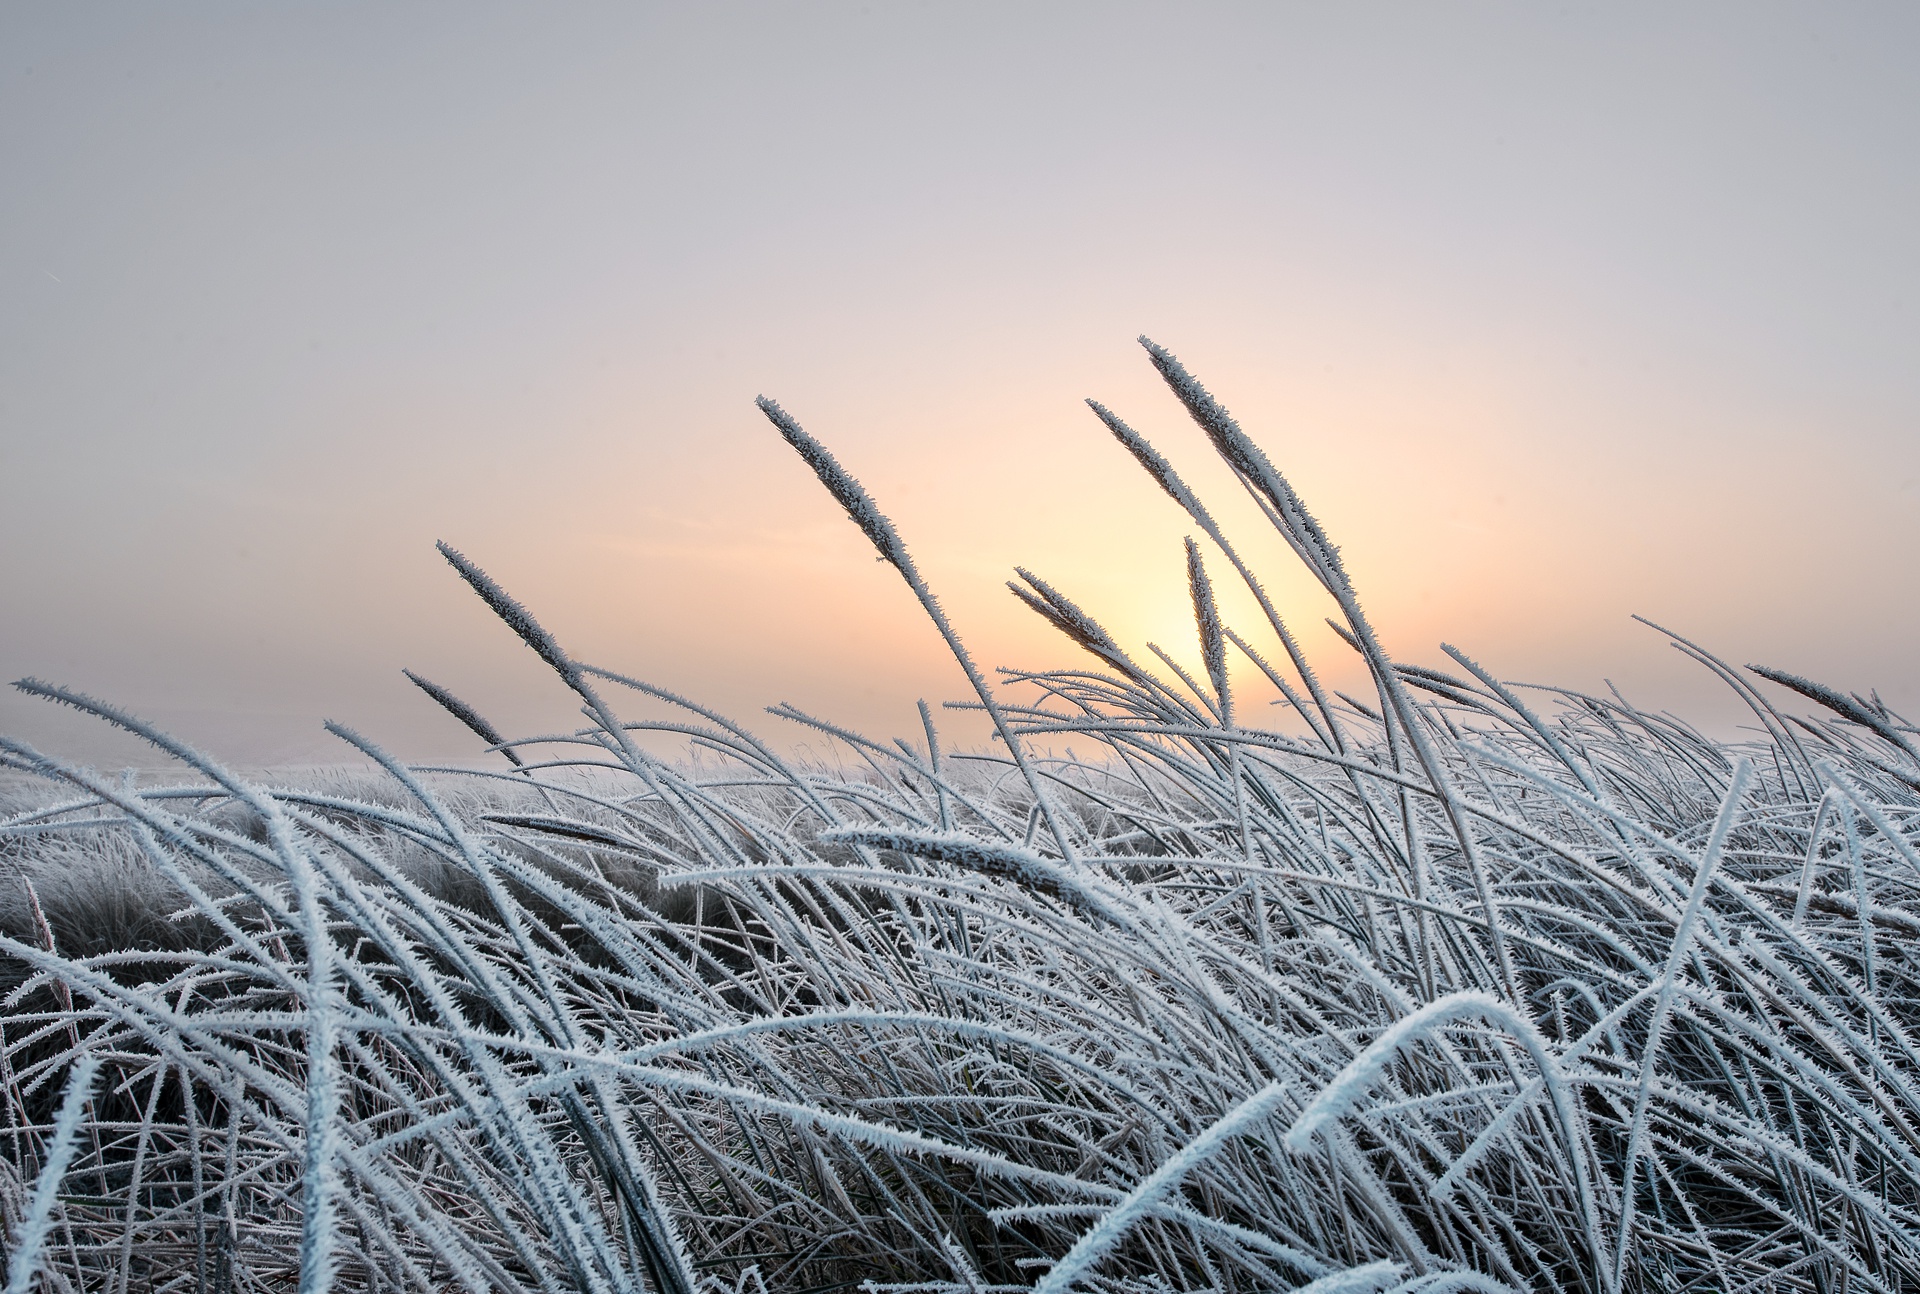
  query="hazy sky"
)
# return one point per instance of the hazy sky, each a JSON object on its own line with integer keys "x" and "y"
{"x": 1553, "y": 315}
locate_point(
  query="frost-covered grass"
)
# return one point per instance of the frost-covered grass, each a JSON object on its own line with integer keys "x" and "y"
{"x": 1463, "y": 987}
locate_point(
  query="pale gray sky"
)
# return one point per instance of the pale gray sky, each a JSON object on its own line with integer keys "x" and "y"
{"x": 1553, "y": 313}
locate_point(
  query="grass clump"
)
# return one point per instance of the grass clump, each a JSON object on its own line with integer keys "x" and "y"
{"x": 1452, "y": 991}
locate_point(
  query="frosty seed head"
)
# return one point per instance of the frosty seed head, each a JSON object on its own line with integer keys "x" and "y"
{"x": 1206, "y": 617}
{"x": 518, "y": 618}
{"x": 847, "y": 491}
{"x": 465, "y": 713}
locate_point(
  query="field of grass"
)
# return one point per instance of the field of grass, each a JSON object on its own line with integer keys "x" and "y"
{"x": 1460, "y": 987}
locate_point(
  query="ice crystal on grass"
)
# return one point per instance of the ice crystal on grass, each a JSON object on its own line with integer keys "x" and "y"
{"x": 1454, "y": 991}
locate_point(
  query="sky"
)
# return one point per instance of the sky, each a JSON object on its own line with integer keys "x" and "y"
{"x": 1553, "y": 314}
